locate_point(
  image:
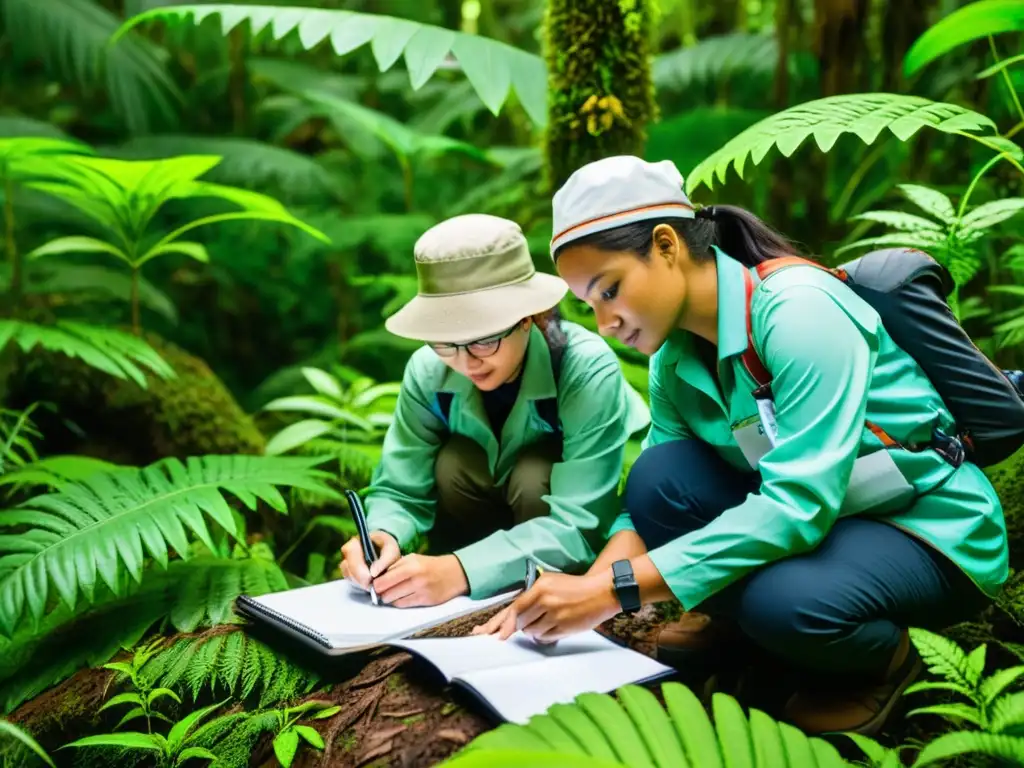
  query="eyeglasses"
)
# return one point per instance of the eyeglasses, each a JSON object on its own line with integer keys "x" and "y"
{"x": 484, "y": 347}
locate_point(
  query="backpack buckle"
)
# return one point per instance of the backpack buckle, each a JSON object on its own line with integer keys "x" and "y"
{"x": 950, "y": 448}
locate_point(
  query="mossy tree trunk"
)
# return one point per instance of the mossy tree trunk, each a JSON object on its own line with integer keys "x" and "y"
{"x": 601, "y": 96}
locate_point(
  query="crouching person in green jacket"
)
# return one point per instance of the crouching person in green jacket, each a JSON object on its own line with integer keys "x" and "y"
{"x": 818, "y": 548}
{"x": 509, "y": 432}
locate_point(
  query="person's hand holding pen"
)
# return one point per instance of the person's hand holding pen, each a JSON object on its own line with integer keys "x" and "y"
{"x": 353, "y": 563}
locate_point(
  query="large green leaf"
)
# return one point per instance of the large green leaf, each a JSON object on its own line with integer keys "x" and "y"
{"x": 491, "y": 66}
{"x": 119, "y": 354}
{"x": 11, "y": 731}
{"x": 865, "y": 115}
{"x": 635, "y": 730}
{"x": 245, "y": 162}
{"x": 971, "y": 22}
{"x": 106, "y": 525}
{"x": 71, "y": 38}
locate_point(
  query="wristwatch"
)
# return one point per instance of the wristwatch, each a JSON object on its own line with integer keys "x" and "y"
{"x": 626, "y": 588}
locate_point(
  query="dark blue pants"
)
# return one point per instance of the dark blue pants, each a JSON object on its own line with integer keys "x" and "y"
{"x": 839, "y": 609}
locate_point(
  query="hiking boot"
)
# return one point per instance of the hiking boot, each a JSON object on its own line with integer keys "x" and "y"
{"x": 694, "y": 645}
{"x": 862, "y": 710}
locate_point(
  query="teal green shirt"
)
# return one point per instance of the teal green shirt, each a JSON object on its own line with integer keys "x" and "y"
{"x": 598, "y": 412}
{"x": 833, "y": 366}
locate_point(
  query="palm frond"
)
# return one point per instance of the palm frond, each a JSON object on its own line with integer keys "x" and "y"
{"x": 228, "y": 662}
{"x": 492, "y": 67}
{"x": 102, "y": 528}
{"x": 244, "y": 163}
{"x": 67, "y": 640}
{"x": 72, "y": 38}
{"x": 866, "y": 115}
{"x": 119, "y": 354}
{"x": 716, "y": 58}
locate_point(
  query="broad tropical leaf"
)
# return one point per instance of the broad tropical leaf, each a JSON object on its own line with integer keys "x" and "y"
{"x": 72, "y": 39}
{"x": 119, "y": 354}
{"x": 866, "y": 115}
{"x": 971, "y": 22}
{"x": 491, "y": 66}
{"x": 105, "y": 526}
{"x": 634, "y": 729}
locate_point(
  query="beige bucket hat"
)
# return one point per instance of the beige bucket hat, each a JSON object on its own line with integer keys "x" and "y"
{"x": 476, "y": 278}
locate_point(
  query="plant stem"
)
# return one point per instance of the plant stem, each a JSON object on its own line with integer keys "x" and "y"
{"x": 1013, "y": 131}
{"x": 973, "y": 184}
{"x": 136, "y": 324}
{"x": 1006, "y": 79}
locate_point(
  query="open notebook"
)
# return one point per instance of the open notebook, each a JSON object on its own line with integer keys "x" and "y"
{"x": 337, "y": 617}
{"x": 517, "y": 678}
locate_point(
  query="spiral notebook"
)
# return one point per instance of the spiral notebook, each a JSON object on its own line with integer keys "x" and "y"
{"x": 337, "y": 617}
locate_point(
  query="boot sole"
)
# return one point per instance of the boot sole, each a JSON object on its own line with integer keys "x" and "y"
{"x": 875, "y": 724}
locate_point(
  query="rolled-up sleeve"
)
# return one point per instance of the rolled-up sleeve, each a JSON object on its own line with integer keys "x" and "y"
{"x": 583, "y": 498}
{"x": 401, "y": 498}
{"x": 821, "y": 360}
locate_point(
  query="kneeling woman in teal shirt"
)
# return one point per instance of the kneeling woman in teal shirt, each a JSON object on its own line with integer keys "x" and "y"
{"x": 823, "y": 548}
{"x": 509, "y": 433}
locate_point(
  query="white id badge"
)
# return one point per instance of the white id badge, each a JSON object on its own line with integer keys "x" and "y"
{"x": 752, "y": 440}
{"x": 876, "y": 482}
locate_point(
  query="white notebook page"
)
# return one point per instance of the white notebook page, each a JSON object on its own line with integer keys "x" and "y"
{"x": 519, "y": 678}
{"x": 343, "y": 612}
{"x": 454, "y": 656}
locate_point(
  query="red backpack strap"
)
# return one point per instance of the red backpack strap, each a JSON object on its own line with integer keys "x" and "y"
{"x": 751, "y": 360}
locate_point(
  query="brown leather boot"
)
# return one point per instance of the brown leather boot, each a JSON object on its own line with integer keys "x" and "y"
{"x": 695, "y": 645}
{"x": 862, "y": 710}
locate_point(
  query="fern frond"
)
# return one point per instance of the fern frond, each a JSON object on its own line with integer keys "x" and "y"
{"x": 1007, "y": 714}
{"x": 244, "y": 163}
{"x": 208, "y": 594}
{"x": 72, "y": 36}
{"x": 113, "y": 352}
{"x": 491, "y": 66}
{"x": 945, "y": 658}
{"x": 956, "y": 711}
{"x": 716, "y": 58}
{"x": 231, "y": 662}
{"x": 907, "y": 222}
{"x": 957, "y": 743}
{"x": 33, "y": 660}
{"x": 988, "y": 215}
{"x": 931, "y": 201}
{"x": 865, "y": 115}
{"x": 106, "y": 524}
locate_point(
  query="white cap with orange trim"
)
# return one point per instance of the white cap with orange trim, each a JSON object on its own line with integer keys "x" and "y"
{"x": 613, "y": 191}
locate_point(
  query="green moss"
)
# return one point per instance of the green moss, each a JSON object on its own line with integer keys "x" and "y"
{"x": 347, "y": 741}
{"x": 192, "y": 414}
{"x": 1008, "y": 480}
{"x": 599, "y": 81}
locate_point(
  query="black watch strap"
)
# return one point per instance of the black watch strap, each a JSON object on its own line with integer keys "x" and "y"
{"x": 626, "y": 588}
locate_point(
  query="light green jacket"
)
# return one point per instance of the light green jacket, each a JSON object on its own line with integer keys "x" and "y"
{"x": 598, "y": 412}
{"x": 833, "y": 366}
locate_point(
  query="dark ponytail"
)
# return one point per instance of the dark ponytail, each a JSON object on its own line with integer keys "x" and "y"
{"x": 550, "y": 324}
{"x": 738, "y": 232}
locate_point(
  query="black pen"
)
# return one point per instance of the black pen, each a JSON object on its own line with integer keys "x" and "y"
{"x": 369, "y": 551}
